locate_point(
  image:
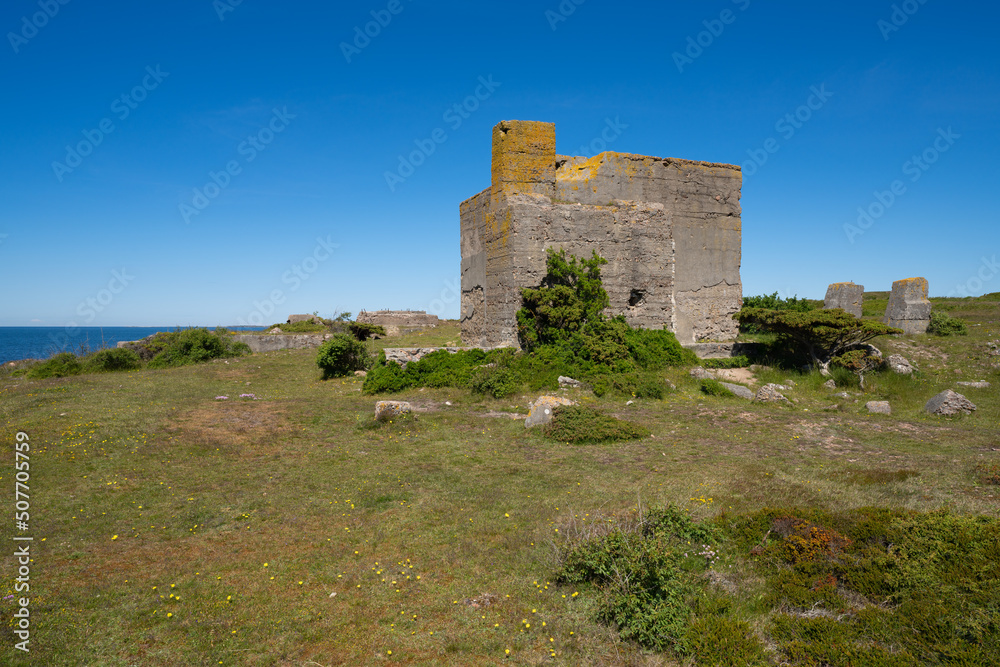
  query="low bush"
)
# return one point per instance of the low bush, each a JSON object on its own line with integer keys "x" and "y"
{"x": 581, "y": 424}
{"x": 342, "y": 355}
{"x": 192, "y": 346}
{"x": 498, "y": 378}
{"x": 711, "y": 387}
{"x": 61, "y": 365}
{"x": 365, "y": 330}
{"x": 112, "y": 360}
{"x": 943, "y": 324}
{"x": 741, "y": 361}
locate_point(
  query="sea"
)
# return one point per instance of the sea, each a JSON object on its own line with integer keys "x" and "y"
{"x": 18, "y": 343}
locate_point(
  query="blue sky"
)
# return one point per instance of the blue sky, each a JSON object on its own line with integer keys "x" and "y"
{"x": 202, "y": 163}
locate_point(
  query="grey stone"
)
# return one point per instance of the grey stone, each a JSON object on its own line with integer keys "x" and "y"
{"x": 273, "y": 342}
{"x": 360, "y": 374}
{"x": 908, "y": 307}
{"x": 791, "y": 383}
{"x": 396, "y": 322}
{"x": 844, "y": 395}
{"x": 700, "y": 373}
{"x": 669, "y": 228}
{"x": 769, "y": 393}
{"x": 830, "y": 384}
{"x": 739, "y": 390}
{"x": 981, "y": 384}
{"x": 879, "y": 407}
{"x": 385, "y": 410}
{"x": 404, "y": 355}
{"x": 900, "y": 364}
{"x": 569, "y": 382}
{"x": 293, "y": 319}
{"x": 949, "y": 403}
{"x": 541, "y": 410}
{"x": 846, "y": 296}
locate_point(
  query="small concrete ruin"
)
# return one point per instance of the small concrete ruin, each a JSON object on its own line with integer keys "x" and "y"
{"x": 908, "y": 307}
{"x": 295, "y": 319}
{"x": 670, "y": 229}
{"x": 846, "y": 296}
{"x": 397, "y": 322}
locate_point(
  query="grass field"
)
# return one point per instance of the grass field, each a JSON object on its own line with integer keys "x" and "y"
{"x": 174, "y": 528}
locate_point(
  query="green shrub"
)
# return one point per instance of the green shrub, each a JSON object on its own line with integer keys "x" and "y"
{"x": 712, "y": 387}
{"x": 725, "y": 642}
{"x": 192, "y": 346}
{"x": 741, "y": 361}
{"x": 775, "y": 302}
{"x": 637, "y": 385}
{"x": 342, "y": 355}
{"x": 581, "y": 424}
{"x": 499, "y": 378}
{"x": 61, "y": 365}
{"x": 437, "y": 369}
{"x": 113, "y": 360}
{"x": 943, "y": 324}
{"x": 305, "y": 326}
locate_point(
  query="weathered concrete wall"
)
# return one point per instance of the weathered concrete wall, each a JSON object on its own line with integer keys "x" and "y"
{"x": 670, "y": 230}
{"x": 274, "y": 342}
{"x": 398, "y": 321}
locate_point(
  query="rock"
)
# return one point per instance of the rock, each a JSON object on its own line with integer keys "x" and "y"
{"x": 908, "y": 307}
{"x": 830, "y": 384}
{"x": 629, "y": 402}
{"x": 949, "y": 403}
{"x": 700, "y": 373}
{"x": 846, "y": 296}
{"x": 975, "y": 385}
{"x": 385, "y": 410}
{"x": 670, "y": 384}
{"x": 275, "y": 330}
{"x": 790, "y": 383}
{"x": 844, "y": 395}
{"x": 293, "y": 319}
{"x": 739, "y": 390}
{"x": 541, "y": 410}
{"x": 769, "y": 393}
{"x": 360, "y": 374}
{"x": 900, "y": 364}
{"x": 569, "y": 382}
{"x": 879, "y": 407}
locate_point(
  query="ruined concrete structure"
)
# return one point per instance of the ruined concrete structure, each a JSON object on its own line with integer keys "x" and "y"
{"x": 846, "y": 296}
{"x": 669, "y": 228}
{"x": 908, "y": 308}
{"x": 396, "y": 322}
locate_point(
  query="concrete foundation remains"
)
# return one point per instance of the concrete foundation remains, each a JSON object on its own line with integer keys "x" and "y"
{"x": 908, "y": 307}
{"x": 295, "y": 319}
{"x": 846, "y": 296}
{"x": 396, "y": 322}
{"x": 669, "y": 228}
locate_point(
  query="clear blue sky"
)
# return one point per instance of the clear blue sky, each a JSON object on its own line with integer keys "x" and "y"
{"x": 308, "y": 129}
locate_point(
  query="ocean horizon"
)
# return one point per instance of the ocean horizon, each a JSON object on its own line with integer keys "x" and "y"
{"x": 17, "y": 343}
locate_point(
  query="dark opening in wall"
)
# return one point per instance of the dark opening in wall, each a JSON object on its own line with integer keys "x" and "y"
{"x": 636, "y": 297}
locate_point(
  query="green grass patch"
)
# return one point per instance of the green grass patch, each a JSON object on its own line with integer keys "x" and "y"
{"x": 577, "y": 424}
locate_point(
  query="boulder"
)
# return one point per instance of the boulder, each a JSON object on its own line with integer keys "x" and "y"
{"x": 908, "y": 307}
{"x": 700, "y": 373}
{"x": 879, "y": 407}
{"x": 900, "y": 364}
{"x": 569, "y": 382}
{"x": 846, "y": 296}
{"x": 949, "y": 403}
{"x": 981, "y": 384}
{"x": 830, "y": 384}
{"x": 541, "y": 410}
{"x": 770, "y": 393}
{"x": 738, "y": 390}
{"x": 360, "y": 374}
{"x": 385, "y": 410}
